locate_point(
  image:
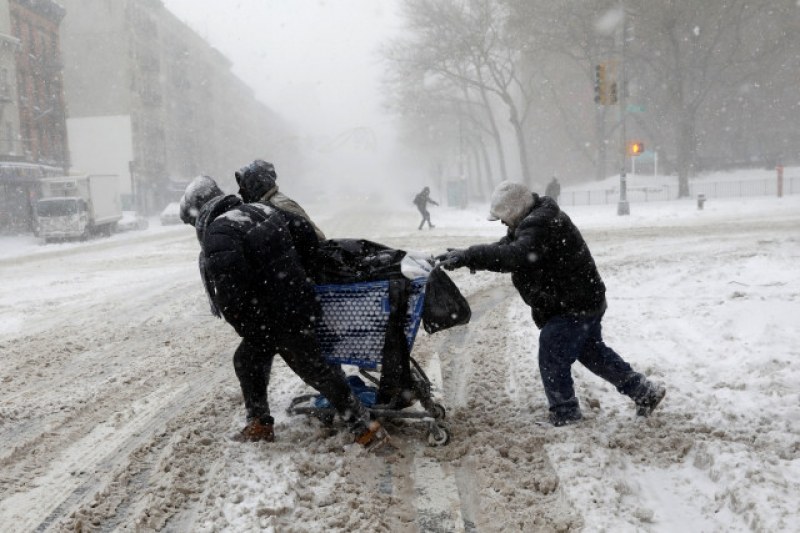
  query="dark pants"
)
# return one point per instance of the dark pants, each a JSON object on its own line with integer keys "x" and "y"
{"x": 396, "y": 358}
{"x": 566, "y": 339}
{"x": 426, "y": 217}
{"x": 301, "y": 352}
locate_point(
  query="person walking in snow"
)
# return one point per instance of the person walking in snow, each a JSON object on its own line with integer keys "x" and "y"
{"x": 553, "y": 189}
{"x": 421, "y": 200}
{"x": 254, "y": 276}
{"x": 555, "y": 274}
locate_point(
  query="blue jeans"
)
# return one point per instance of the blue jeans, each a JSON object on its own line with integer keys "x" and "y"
{"x": 566, "y": 339}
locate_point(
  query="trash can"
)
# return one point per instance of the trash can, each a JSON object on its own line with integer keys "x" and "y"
{"x": 701, "y": 199}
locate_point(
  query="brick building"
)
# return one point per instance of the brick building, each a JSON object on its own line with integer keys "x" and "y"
{"x": 40, "y": 92}
{"x": 33, "y": 133}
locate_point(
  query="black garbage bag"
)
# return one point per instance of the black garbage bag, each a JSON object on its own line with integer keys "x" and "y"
{"x": 356, "y": 260}
{"x": 444, "y": 305}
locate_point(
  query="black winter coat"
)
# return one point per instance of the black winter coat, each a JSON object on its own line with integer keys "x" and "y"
{"x": 549, "y": 262}
{"x": 422, "y": 199}
{"x": 254, "y": 270}
{"x": 304, "y": 237}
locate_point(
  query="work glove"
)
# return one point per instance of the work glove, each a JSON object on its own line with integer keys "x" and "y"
{"x": 453, "y": 259}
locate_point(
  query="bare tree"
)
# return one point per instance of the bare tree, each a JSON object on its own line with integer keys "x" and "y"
{"x": 465, "y": 42}
{"x": 551, "y": 33}
{"x": 693, "y": 67}
{"x": 435, "y": 109}
{"x": 690, "y": 51}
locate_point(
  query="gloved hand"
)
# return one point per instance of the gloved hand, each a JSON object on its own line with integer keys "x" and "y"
{"x": 453, "y": 259}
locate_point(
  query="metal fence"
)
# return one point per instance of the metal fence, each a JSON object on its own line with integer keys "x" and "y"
{"x": 738, "y": 189}
{"x": 712, "y": 189}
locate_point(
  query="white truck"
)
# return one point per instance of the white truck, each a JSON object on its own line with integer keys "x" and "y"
{"x": 78, "y": 206}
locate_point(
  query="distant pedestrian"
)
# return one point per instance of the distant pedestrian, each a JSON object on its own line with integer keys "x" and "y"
{"x": 553, "y": 189}
{"x": 553, "y": 270}
{"x": 422, "y": 200}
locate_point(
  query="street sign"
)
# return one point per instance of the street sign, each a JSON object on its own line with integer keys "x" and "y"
{"x": 633, "y": 108}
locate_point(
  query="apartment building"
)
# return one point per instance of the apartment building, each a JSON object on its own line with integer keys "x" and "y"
{"x": 151, "y": 101}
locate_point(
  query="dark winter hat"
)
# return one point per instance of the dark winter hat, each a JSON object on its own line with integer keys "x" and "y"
{"x": 255, "y": 180}
{"x": 510, "y": 202}
{"x": 198, "y": 192}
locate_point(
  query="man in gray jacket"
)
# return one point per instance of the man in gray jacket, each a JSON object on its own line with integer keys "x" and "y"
{"x": 257, "y": 183}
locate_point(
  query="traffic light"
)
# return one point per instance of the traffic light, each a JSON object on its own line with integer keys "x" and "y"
{"x": 605, "y": 85}
{"x": 600, "y": 89}
{"x": 612, "y": 93}
{"x": 635, "y": 148}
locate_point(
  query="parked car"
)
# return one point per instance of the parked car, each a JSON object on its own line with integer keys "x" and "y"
{"x": 131, "y": 221}
{"x": 171, "y": 214}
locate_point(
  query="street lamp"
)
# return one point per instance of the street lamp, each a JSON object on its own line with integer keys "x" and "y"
{"x": 623, "y": 208}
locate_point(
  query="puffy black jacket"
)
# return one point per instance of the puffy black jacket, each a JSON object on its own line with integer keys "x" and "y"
{"x": 549, "y": 262}
{"x": 304, "y": 237}
{"x": 254, "y": 270}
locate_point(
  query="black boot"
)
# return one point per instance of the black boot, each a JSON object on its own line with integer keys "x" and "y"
{"x": 648, "y": 397}
{"x": 564, "y": 418}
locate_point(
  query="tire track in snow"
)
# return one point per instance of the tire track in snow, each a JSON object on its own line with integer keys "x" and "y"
{"x": 166, "y": 471}
{"x": 436, "y": 494}
{"x": 491, "y": 429}
{"x": 65, "y": 484}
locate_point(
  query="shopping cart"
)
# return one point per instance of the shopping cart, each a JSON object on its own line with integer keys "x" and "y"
{"x": 351, "y": 332}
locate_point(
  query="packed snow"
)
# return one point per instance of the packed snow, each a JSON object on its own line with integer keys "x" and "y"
{"x": 119, "y": 392}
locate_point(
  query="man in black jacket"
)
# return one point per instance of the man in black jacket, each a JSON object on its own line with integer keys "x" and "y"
{"x": 254, "y": 276}
{"x": 555, "y": 274}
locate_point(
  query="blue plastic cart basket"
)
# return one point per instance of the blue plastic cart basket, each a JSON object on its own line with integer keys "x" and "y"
{"x": 355, "y": 317}
{"x": 352, "y": 331}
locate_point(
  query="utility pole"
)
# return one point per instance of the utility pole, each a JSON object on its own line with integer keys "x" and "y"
{"x": 623, "y": 208}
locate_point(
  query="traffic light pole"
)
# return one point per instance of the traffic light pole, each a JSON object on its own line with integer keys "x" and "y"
{"x": 623, "y": 208}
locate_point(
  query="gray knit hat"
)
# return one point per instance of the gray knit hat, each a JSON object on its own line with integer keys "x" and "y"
{"x": 510, "y": 202}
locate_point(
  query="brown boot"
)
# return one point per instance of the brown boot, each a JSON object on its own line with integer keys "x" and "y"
{"x": 373, "y": 437}
{"x": 255, "y": 431}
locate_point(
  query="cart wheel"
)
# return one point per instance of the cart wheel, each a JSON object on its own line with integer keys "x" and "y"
{"x": 438, "y": 411}
{"x": 438, "y": 436}
{"x": 326, "y": 419}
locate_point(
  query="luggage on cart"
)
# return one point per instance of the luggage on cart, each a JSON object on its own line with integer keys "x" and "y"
{"x": 352, "y": 331}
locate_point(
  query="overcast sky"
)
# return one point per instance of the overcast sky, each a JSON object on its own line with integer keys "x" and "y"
{"x": 313, "y": 61}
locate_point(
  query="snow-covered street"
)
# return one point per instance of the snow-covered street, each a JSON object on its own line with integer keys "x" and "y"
{"x": 118, "y": 391}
